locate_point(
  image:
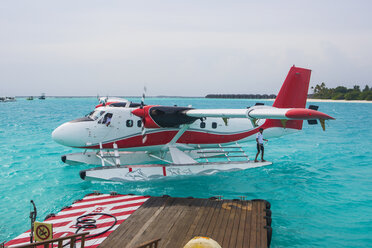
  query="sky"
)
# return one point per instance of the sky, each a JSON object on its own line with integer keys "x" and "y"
{"x": 180, "y": 48}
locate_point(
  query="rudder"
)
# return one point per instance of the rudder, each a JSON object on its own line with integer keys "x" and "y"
{"x": 293, "y": 93}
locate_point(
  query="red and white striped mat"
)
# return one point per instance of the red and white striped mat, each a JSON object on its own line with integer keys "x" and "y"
{"x": 120, "y": 206}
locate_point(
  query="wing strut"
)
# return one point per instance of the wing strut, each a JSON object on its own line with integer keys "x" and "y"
{"x": 178, "y": 135}
{"x": 178, "y": 156}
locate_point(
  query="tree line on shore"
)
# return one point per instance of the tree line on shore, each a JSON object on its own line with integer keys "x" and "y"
{"x": 342, "y": 93}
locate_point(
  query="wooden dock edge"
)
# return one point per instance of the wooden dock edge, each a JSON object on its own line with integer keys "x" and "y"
{"x": 174, "y": 221}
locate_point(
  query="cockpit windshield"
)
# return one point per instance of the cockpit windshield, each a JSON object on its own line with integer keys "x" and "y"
{"x": 96, "y": 114}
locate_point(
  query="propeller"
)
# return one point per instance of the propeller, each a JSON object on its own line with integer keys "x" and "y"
{"x": 143, "y": 97}
{"x": 143, "y": 129}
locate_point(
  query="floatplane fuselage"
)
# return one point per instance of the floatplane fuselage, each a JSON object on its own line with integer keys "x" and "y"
{"x": 139, "y": 133}
{"x": 124, "y": 129}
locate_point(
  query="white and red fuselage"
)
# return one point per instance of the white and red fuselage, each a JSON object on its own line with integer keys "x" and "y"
{"x": 120, "y": 122}
{"x": 125, "y": 130}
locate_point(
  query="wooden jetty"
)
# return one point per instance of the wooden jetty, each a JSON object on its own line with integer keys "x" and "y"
{"x": 172, "y": 222}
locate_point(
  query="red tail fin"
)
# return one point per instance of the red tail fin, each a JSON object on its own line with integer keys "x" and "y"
{"x": 293, "y": 93}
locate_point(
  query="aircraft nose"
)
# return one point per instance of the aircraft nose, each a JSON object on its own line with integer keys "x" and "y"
{"x": 59, "y": 134}
{"x": 66, "y": 135}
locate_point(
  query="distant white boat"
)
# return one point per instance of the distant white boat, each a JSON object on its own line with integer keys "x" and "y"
{"x": 7, "y": 99}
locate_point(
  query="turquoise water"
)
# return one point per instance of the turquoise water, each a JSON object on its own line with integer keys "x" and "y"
{"x": 320, "y": 185}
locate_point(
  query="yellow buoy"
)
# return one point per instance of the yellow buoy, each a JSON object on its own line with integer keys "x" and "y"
{"x": 202, "y": 242}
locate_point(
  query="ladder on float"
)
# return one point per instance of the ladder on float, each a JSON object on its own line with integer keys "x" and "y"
{"x": 106, "y": 155}
{"x": 227, "y": 152}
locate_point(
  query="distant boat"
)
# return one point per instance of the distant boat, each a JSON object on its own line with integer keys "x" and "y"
{"x": 42, "y": 97}
{"x": 7, "y": 99}
{"x": 30, "y": 98}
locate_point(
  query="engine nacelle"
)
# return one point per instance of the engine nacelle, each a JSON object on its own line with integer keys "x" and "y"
{"x": 162, "y": 116}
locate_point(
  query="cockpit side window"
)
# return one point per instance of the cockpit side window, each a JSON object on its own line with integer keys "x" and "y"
{"x": 106, "y": 119}
{"x": 96, "y": 114}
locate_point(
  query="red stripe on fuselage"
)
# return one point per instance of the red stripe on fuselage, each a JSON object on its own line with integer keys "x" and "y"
{"x": 195, "y": 137}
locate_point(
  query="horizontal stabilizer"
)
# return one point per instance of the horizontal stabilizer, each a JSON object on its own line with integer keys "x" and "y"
{"x": 312, "y": 122}
{"x": 314, "y": 107}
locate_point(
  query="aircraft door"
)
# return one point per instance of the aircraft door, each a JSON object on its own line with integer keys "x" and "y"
{"x": 102, "y": 127}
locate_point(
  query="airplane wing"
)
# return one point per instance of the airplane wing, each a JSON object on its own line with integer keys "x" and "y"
{"x": 260, "y": 113}
{"x": 166, "y": 116}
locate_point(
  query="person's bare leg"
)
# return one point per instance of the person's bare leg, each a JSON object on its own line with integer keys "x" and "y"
{"x": 255, "y": 160}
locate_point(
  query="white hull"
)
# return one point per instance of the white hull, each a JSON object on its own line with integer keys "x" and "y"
{"x": 155, "y": 171}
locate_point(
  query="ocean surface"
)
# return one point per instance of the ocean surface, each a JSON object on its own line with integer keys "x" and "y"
{"x": 319, "y": 187}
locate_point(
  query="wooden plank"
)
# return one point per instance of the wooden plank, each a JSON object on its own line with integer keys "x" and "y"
{"x": 203, "y": 226}
{"x": 133, "y": 237}
{"x": 229, "y": 225}
{"x": 133, "y": 223}
{"x": 246, "y": 206}
{"x": 213, "y": 222}
{"x": 202, "y": 229}
{"x": 235, "y": 224}
{"x": 171, "y": 239}
{"x": 247, "y": 227}
{"x": 176, "y": 233}
{"x": 198, "y": 219}
{"x": 258, "y": 224}
{"x": 165, "y": 221}
{"x": 218, "y": 219}
{"x": 220, "y": 232}
{"x": 252, "y": 235}
{"x": 263, "y": 224}
{"x": 181, "y": 228}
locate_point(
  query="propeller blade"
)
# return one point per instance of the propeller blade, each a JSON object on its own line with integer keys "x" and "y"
{"x": 143, "y": 97}
{"x": 143, "y": 132}
{"x": 143, "y": 129}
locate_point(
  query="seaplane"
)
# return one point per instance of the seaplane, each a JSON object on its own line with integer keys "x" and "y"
{"x": 134, "y": 141}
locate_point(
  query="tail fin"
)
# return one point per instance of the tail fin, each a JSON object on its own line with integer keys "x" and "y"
{"x": 293, "y": 93}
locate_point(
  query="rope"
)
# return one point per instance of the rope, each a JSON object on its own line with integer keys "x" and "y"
{"x": 88, "y": 223}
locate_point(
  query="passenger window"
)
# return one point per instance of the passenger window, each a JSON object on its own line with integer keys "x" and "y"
{"x": 139, "y": 123}
{"x": 129, "y": 123}
{"x": 214, "y": 124}
{"x": 202, "y": 124}
{"x": 106, "y": 119}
